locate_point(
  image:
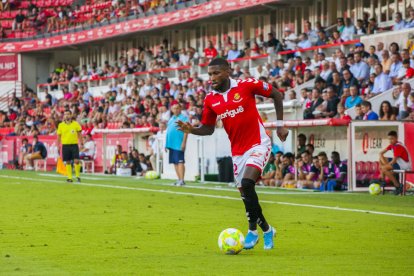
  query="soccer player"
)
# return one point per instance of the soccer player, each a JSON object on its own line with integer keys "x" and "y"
{"x": 234, "y": 103}
{"x": 400, "y": 161}
{"x": 69, "y": 136}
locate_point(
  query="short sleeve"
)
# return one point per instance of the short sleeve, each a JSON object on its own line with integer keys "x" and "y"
{"x": 388, "y": 148}
{"x": 208, "y": 117}
{"x": 258, "y": 87}
{"x": 78, "y": 127}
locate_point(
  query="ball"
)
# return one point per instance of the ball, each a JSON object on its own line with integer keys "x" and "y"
{"x": 374, "y": 189}
{"x": 231, "y": 241}
{"x": 151, "y": 175}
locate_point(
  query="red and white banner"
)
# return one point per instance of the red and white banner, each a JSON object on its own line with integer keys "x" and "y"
{"x": 8, "y": 67}
{"x": 212, "y": 8}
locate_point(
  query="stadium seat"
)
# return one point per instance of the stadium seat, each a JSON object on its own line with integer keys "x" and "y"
{"x": 86, "y": 163}
{"x": 39, "y": 163}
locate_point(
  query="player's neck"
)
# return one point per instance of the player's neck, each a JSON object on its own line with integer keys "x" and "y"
{"x": 225, "y": 87}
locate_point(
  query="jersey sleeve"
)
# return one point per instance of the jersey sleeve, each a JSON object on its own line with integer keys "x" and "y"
{"x": 388, "y": 148}
{"x": 208, "y": 117}
{"x": 258, "y": 87}
{"x": 78, "y": 127}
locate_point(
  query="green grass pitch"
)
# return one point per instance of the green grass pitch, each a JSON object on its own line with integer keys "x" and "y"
{"x": 128, "y": 226}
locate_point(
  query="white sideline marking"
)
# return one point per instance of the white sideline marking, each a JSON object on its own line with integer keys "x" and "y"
{"x": 214, "y": 196}
{"x": 259, "y": 190}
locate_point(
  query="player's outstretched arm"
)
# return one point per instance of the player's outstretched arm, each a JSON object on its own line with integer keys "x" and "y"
{"x": 277, "y": 97}
{"x": 202, "y": 130}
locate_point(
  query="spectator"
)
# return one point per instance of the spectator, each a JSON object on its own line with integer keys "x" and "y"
{"x": 373, "y": 52}
{"x": 176, "y": 142}
{"x": 336, "y": 179}
{"x": 303, "y": 166}
{"x": 289, "y": 39}
{"x": 405, "y": 54}
{"x": 337, "y": 83}
{"x": 233, "y": 53}
{"x": 358, "y": 111}
{"x": 360, "y": 68}
{"x": 360, "y": 48}
{"x": 332, "y": 104}
{"x": 336, "y": 38}
{"x": 261, "y": 72}
{"x": 25, "y": 150}
{"x": 386, "y": 112}
{"x": 399, "y": 22}
{"x": 316, "y": 101}
{"x": 116, "y": 159}
{"x": 386, "y": 62}
{"x": 394, "y": 48}
{"x": 354, "y": 98}
{"x": 301, "y": 144}
{"x": 322, "y": 39}
{"x": 288, "y": 170}
{"x": 323, "y": 170}
{"x": 311, "y": 33}
{"x": 340, "y": 24}
{"x": 348, "y": 31}
{"x": 397, "y": 71}
{"x": 399, "y": 161}
{"x": 372, "y": 26}
{"x": 382, "y": 81}
{"x": 210, "y": 52}
{"x": 404, "y": 103}
{"x": 269, "y": 170}
{"x": 349, "y": 80}
{"x": 303, "y": 43}
{"x": 39, "y": 152}
{"x": 273, "y": 45}
{"x": 18, "y": 23}
{"x": 326, "y": 72}
{"x": 87, "y": 151}
{"x": 134, "y": 163}
{"x": 410, "y": 21}
{"x": 341, "y": 113}
{"x": 368, "y": 113}
{"x": 360, "y": 29}
{"x": 409, "y": 71}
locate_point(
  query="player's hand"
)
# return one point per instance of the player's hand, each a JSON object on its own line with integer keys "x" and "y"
{"x": 282, "y": 133}
{"x": 183, "y": 147}
{"x": 184, "y": 126}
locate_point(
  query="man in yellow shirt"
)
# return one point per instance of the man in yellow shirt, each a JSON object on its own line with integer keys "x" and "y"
{"x": 69, "y": 136}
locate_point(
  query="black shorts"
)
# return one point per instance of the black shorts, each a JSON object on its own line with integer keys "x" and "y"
{"x": 70, "y": 152}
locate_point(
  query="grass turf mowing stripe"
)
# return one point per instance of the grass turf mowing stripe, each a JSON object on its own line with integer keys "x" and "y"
{"x": 221, "y": 187}
{"x": 216, "y": 196}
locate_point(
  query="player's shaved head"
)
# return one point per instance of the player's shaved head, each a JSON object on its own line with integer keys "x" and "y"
{"x": 220, "y": 62}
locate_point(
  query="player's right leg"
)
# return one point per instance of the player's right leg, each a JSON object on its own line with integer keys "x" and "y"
{"x": 67, "y": 158}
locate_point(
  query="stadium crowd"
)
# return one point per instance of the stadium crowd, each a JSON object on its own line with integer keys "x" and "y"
{"x": 33, "y": 17}
{"x": 342, "y": 81}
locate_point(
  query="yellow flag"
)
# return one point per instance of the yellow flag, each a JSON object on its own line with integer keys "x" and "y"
{"x": 60, "y": 167}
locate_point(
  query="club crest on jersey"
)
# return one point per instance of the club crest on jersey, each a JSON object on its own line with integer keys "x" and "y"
{"x": 237, "y": 98}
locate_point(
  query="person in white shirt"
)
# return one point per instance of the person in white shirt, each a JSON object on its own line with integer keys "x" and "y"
{"x": 233, "y": 53}
{"x": 184, "y": 57}
{"x": 88, "y": 149}
{"x": 399, "y": 22}
{"x": 349, "y": 30}
{"x": 382, "y": 81}
{"x": 380, "y": 49}
{"x": 289, "y": 41}
{"x": 326, "y": 71}
{"x": 261, "y": 72}
{"x": 404, "y": 102}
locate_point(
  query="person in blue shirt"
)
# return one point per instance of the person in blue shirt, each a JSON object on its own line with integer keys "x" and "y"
{"x": 369, "y": 115}
{"x": 39, "y": 152}
{"x": 354, "y": 99}
{"x": 175, "y": 142}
